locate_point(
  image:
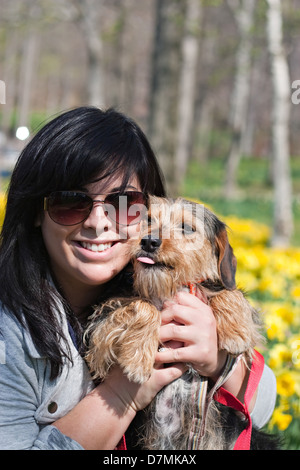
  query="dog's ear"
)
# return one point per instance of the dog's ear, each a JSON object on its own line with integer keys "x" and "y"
{"x": 226, "y": 261}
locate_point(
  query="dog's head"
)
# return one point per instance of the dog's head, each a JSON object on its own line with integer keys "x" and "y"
{"x": 181, "y": 242}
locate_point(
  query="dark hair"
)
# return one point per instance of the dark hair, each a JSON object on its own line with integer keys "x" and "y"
{"x": 72, "y": 150}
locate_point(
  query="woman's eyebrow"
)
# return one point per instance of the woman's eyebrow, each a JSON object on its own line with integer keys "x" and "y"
{"x": 113, "y": 190}
{"x": 128, "y": 186}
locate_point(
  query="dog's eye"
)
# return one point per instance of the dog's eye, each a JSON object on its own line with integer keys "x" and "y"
{"x": 187, "y": 229}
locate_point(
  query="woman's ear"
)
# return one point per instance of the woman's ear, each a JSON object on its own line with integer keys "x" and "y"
{"x": 226, "y": 261}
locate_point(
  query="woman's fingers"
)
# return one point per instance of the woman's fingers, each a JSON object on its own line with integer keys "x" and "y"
{"x": 165, "y": 375}
{"x": 183, "y": 309}
{"x": 188, "y": 330}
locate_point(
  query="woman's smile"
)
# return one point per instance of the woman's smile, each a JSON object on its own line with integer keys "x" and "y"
{"x": 94, "y": 249}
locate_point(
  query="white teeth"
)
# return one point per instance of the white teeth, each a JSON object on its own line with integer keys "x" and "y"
{"x": 96, "y": 248}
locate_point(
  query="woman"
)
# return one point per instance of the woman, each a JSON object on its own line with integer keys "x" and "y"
{"x": 60, "y": 248}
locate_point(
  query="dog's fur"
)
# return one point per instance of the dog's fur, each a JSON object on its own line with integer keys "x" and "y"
{"x": 188, "y": 244}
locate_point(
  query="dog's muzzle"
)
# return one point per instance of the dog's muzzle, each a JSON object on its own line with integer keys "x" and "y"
{"x": 149, "y": 244}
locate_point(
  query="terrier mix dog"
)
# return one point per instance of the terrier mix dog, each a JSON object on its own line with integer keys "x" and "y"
{"x": 182, "y": 244}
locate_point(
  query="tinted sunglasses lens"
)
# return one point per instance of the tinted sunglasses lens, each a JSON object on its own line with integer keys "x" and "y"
{"x": 127, "y": 208}
{"x": 68, "y": 208}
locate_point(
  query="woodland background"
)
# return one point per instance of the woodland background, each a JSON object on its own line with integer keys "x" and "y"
{"x": 215, "y": 85}
{"x": 196, "y": 74}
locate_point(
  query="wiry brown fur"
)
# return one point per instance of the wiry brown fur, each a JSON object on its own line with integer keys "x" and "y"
{"x": 193, "y": 248}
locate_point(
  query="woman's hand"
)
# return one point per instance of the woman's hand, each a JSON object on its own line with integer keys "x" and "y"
{"x": 189, "y": 333}
{"x": 126, "y": 395}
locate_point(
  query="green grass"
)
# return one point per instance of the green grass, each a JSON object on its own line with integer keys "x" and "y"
{"x": 290, "y": 440}
{"x": 254, "y": 198}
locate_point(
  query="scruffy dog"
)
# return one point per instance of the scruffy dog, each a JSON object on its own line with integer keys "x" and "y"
{"x": 182, "y": 244}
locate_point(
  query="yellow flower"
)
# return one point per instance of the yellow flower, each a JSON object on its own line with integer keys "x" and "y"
{"x": 296, "y": 376}
{"x": 246, "y": 281}
{"x": 246, "y": 232}
{"x": 295, "y": 292}
{"x": 286, "y": 385}
{"x": 280, "y": 419}
{"x": 2, "y": 208}
{"x": 247, "y": 259}
{"x": 285, "y": 311}
{"x": 275, "y": 327}
{"x": 294, "y": 345}
{"x": 273, "y": 283}
{"x": 279, "y": 355}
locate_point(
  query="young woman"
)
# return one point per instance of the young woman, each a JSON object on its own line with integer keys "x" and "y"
{"x": 61, "y": 246}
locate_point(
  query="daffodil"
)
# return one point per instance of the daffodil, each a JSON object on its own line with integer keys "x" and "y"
{"x": 280, "y": 419}
{"x": 294, "y": 345}
{"x": 280, "y": 354}
{"x": 2, "y": 208}
{"x": 246, "y": 281}
{"x": 295, "y": 292}
{"x": 286, "y": 384}
{"x": 275, "y": 327}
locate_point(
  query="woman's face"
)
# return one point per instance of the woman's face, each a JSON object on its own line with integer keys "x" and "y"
{"x": 76, "y": 261}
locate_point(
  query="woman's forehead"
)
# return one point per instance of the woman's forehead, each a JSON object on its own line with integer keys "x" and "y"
{"x": 112, "y": 184}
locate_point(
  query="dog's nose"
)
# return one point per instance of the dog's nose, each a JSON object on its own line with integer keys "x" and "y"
{"x": 150, "y": 244}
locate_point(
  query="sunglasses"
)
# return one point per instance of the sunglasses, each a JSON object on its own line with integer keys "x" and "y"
{"x": 72, "y": 207}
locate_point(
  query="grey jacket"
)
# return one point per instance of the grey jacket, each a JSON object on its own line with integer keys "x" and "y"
{"x": 30, "y": 401}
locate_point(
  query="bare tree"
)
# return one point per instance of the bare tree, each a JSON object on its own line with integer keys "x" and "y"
{"x": 243, "y": 11}
{"x": 10, "y": 77}
{"x": 205, "y": 100}
{"x": 283, "y": 218}
{"x": 29, "y": 58}
{"x": 187, "y": 85}
{"x": 164, "y": 86}
{"x": 89, "y": 23}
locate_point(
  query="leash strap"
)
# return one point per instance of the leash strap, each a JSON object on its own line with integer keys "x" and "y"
{"x": 202, "y": 398}
{"x": 226, "y": 398}
{"x": 202, "y": 401}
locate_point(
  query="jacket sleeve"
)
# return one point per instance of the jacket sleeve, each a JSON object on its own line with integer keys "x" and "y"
{"x": 265, "y": 400}
{"x": 22, "y": 379}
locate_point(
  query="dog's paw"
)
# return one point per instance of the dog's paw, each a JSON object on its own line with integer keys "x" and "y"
{"x": 138, "y": 374}
{"x": 235, "y": 345}
{"x": 137, "y": 364}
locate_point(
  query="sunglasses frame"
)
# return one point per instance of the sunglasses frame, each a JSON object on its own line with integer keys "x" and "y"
{"x": 47, "y": 203}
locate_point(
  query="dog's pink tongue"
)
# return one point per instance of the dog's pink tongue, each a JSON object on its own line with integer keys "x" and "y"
{"x": 144, "y": 259}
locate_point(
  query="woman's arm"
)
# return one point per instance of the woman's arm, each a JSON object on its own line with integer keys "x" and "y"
{"x": 102, "y": 417}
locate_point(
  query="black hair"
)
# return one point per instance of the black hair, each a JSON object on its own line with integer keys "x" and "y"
{"x": 76, "y": 148}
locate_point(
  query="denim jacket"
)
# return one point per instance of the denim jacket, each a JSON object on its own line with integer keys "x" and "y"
{"x": 30, "y": 401}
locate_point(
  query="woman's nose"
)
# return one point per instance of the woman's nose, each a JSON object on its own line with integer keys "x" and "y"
{"x": 98, "y": 219}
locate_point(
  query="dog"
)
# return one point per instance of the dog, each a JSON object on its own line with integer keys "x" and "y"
{"x": 181, "y": 245}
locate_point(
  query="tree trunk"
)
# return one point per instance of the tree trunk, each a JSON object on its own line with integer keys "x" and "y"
{"x": 88, "y": 21}
{"x": 164, "y": 86}
{"x": 244, "y": 17}
{"x": 187, "y": 85}
{"x": 283, "y": 218}
{"x": 10, "y": 77}
{"x": 27, "y": 74}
